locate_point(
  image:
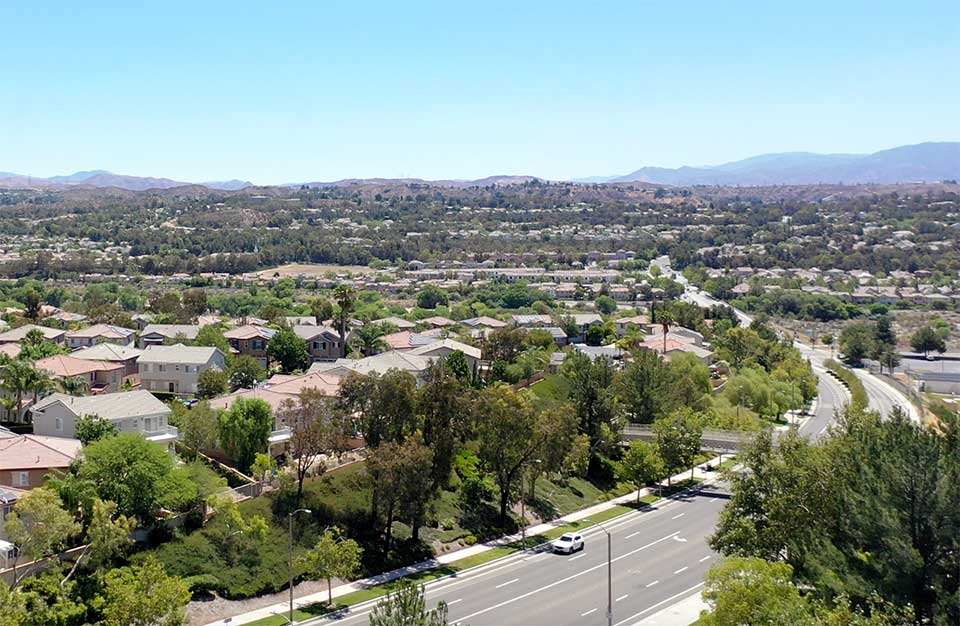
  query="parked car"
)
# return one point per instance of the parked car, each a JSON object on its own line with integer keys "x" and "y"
{"x": 568, "y": 543}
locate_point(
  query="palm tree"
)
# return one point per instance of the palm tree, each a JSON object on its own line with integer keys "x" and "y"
{"x": 346, "y": 299}
{"x": 369, "y": 339}
{"x": 74, "y": 385}
{"x": 41, "y": 383}
{"x": 665, "y": 318}
{"x": 17, "y": 379}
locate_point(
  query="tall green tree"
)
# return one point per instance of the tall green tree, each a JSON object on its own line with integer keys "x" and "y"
{"x": 643, "y": 388}
{"x": 641, "y": 465}
{"x": 245, "y": 430}
{"x": 144, "y": 595}
{"x": 346, "y": 299}
{"x": 288, "y": 350}
{"x": 591, "y": 391}
{"x": 321, "y": 309}
{"x": 139, "y": 475}
{"x": 678, "y": 438}
{"x": 38, "y": 526}
{"x": 333, "y": 556}
{"x": 92, "y": 428}
{"x": 756, "y": 592}
{"x": 927, "y": 339}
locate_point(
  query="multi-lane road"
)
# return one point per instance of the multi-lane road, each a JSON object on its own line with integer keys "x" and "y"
{"x": 659, "y": 556}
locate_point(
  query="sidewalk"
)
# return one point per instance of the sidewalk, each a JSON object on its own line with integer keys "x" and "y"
{"x": 683, "y": 613}
{"x": 450, "y": 557}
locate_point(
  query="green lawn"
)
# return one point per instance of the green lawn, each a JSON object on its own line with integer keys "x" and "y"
{"x": 553, "y": 388}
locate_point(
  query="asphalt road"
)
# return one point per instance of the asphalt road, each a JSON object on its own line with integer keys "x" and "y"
{"x": 660, "y": 556}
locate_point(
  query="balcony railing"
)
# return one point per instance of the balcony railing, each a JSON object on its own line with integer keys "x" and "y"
{"x": 167, "y": 432}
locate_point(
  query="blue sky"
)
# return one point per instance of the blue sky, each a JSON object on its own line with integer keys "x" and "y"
{"x": 294, "y": 91}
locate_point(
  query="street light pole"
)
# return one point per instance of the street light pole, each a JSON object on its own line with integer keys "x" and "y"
{"x": 609, "y": 572}
{"x": 290, "y": 553}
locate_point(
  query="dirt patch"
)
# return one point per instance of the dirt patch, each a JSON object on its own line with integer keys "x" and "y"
{"x": 200, "y": 612}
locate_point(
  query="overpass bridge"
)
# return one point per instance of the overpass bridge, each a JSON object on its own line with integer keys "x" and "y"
{"x": 714, "y": 440}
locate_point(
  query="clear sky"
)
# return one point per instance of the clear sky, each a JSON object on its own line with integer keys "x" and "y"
{"x": 281, "y": 91}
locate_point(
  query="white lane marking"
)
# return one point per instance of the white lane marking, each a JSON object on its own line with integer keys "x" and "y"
{"x": 624, "y": 596}
{"x": 704, "y": 558}
{"x": 567, "y": 579}
{"x": 680, "y": 540}
{"x": 454, "y": 601}
{"x": 652, "y": 584}
{"x": 574, "y": 558}
{"x": 632, "y": 535}
{"x": 509, "y": 582}
{"x": 588, "y": 612}
{"x": 685, "y": 592}
{"x": 713, "y": 499}
{"x": 678, "y": 516}
{"x": 681, "y": 570}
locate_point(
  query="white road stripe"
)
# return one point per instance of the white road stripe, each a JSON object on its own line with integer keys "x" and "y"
{"x": 704, "y": 558}
{"x": 588, "y": 612}
{"x": 681, "y": 570}
{"x": 574, "y": 558}
{"x": 632, "y": 535}
{"x": 622, "y": 597}
{"x": 509, "y": 582}
{"x": 454, "y": 601}
{"x": 652, "y": 584}
{"x": 678, "y": 516}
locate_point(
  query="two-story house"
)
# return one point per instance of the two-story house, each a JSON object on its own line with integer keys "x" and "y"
{"x": 110, "y": 353}
{"x": 100, "y": 333}
{"x": 100, "y": 376}
{"x": 130, "y": 411}
{"x": 323, "y": 342}
{"x": 158, "y": 334}
{"x": 177, "y": 368}
{"x": 251, "y": 340}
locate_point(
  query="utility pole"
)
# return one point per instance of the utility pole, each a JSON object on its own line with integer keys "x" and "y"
{"x": 290, "y": 553}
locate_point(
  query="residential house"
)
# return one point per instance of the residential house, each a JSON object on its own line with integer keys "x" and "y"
{"x": 25, "y": 460}
{"x": 158, "y": 334}
{"x": 483, "y": 322}
{"x": 445, "y": 347}
{"x": 177, "y": 368}
{"x": 396, "y": 322}
{"x": 675, "y": 344}
{"x": 111, "y": 353}
{"x": 532, "y": 321}
{"x": 438, "y": 321}
{"x": 64, "y": 319}
{"x": 279, "y": 391}
{"x": 16, "y": 335}
{"x": 323, "y": 342}
{"x": 130, "y": 411}
{"x": 377, "y": 364}
{"x": 251, "y": 341}
{"x": 100, "y": 333}
{"x": 639, "y": 322}
{"x": 406, "y": 340}
{"x": 99, "y": 376}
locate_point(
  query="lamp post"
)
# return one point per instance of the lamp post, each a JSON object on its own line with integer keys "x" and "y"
{"x": 290, "y": 546}
{"x": 609, "y": 573}
{"x": 523, "y": 510}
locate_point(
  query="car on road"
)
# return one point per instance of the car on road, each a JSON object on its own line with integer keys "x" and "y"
{"x": 568, "y": 543}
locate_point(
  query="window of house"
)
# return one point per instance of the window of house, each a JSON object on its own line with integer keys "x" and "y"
{"x": 23, "y": 479}
{"x": 160, "y": 367}
{"x": 58, "y": 424}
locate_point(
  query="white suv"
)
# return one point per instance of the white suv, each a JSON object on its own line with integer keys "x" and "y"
{"x": 568, "y": 543}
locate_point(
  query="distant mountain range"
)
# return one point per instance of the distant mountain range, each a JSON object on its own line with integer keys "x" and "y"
{"x": 103, "y": 178}
{"x": 925, "y": 162}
